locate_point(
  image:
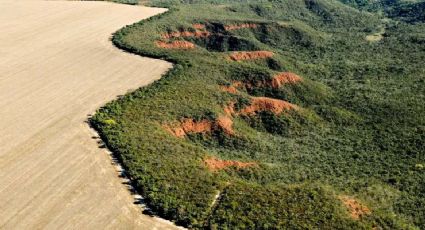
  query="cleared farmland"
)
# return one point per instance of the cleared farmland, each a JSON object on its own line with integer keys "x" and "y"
{"x": 57, "y": 65}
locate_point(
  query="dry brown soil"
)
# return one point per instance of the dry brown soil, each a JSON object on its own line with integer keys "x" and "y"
{"x": 259, "y": 104}
{"x": 57, "y": 65}
{"x": 355, "y": 208}
{"x": 189, "y": 125}
{"x": 186, "y": 34}
{"x": 175, "y": 45}
{"x": 285, "y": 78}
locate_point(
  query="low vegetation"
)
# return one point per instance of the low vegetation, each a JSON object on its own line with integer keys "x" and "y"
{"x": 283, "y": 108}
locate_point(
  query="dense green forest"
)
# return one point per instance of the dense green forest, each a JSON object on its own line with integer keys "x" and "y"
{"x": 284, "y": 114}
{"x": 411, "y": 11}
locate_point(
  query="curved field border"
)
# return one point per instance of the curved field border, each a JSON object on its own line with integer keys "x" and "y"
{"x": 166, "y": 134}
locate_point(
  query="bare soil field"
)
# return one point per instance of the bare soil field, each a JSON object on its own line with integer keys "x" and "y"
{"x": 57, "y": 66}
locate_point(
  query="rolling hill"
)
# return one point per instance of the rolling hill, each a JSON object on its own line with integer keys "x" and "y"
{"x": 298, "y": 114}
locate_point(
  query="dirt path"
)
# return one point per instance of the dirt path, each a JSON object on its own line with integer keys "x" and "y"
{"x": 56, "y": 67}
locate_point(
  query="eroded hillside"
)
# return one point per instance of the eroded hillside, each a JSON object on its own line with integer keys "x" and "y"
{"x": 276, "y": 115}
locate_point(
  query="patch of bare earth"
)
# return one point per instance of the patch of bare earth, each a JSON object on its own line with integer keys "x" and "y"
{"x": 183, "y": 34}
{"x": 175, "y": 45}
{"x": 229, "y": 110}
{"x": 240, "y": 26}
{"x": 230, "y": 89}
{"x": 376, "y": 36}
{"x": 284, "y": 78}
{"x": 250, "y": 55}
{"x": 225, "y": 123}
{"x": 189, "y": 125}
{"x": 198, "y": 26}
{"x": 276, "y": 82}
{"x": 356, "y": 209}
{"x": 215, "y": 164}
{"x": 263, "y": 104}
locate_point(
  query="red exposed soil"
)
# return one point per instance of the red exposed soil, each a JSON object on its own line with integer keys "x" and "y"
{"x": 276, "y": 82}
{"x": 356, "y": 209}
{"x": 175, "y": 45}
{"x": 225, "y": 123}
{"x": 285, "y": 78}
{"x": 244, "y": 55}
{"x": 229, "y": 110}
{"x": 215, "y": 164}
{"x": 198, "y": 26}
{"x": 198, "y": 34}
{"x": 259, "y": 104}
{"x": 189, "y": 125}
{"x": 240, "y": 26}
{"x": 230, "y": 89}
{"x": 192, "y": 126}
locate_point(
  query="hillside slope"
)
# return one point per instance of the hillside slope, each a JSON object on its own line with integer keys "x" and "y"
{"x": 276, "y": 115}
